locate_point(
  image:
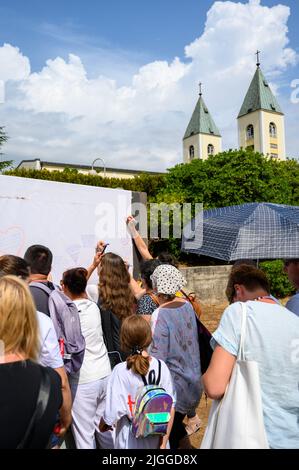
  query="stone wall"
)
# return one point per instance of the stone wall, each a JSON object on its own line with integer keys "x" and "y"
{"x": 208, "y": 282}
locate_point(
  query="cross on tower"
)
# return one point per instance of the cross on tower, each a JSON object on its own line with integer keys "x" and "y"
{"x": 258, "y": 58}
{"x": 200, "y": 89}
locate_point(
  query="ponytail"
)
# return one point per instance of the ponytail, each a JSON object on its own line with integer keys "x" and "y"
{"x": 135, "y": 337}
{"x": 139, "y": 364}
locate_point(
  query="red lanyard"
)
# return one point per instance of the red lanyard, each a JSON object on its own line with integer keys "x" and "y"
{"x": 267, "y": 300}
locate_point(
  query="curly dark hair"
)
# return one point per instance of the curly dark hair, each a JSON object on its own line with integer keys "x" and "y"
{"x": 146, "y": 270}
{"x": 168, "y": 258}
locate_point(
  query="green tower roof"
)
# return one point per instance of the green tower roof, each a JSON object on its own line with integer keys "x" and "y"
{"x": 201, "y": 121}
{"x": 259, "y": 96}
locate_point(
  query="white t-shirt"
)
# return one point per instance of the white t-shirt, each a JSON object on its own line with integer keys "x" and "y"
{"x": 92, "y": 291}
{"x": 122, "y": 389}
{"x": 49, "y": 348}
{"x": 96, "y": 364}
{"x": 272, "y": 334}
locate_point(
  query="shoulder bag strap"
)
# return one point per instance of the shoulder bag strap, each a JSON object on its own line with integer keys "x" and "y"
{"x": 154, "y": 298}
{"x": 184, "y": 294}
{"x": 41, "y": 405}
{"x": 241, "y": 353}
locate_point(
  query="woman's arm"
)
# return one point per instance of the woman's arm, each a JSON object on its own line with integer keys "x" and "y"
{"x": 94, "y": 265}
{"x": 218, "y": 375}
{"x": 139, "y": 242}
{"x": 100, "y": 248}
{"x": 66, "y": 408}
{"x": 136, "y": 290}
{"x": 116, "y": 402}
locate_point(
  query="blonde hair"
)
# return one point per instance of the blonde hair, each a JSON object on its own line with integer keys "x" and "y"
{"x": 18, "y": 319}
{"x": 136, "y": 335}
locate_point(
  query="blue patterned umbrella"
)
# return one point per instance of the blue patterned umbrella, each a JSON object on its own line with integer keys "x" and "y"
{"x": 248, "y": 231}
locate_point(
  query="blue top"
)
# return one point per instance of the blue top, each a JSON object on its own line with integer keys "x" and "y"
{"x": 175, "y": 341}
{"x": 293, "y": 304}
{"x": 272, "y": 339}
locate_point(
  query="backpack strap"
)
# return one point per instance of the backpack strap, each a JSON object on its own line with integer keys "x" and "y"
{"x": 40, "y": 408}
{"x": 144, "y": 380}
{"x": 42, "y": 286}
{"x": 151, "y": 378}
{"x": 159, "y": 373}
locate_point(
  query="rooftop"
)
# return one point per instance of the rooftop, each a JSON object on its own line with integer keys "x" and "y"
{"x": 201, "y": 121}
{"x": 259, "y": 96}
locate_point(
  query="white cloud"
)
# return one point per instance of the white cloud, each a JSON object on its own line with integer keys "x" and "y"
{"x": 234, "y": 30}
{"x": 60, "y": 113}
{"x": 13, "y": 65}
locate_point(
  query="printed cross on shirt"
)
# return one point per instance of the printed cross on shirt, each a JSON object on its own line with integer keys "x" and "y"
{"x": 131, "y": 403}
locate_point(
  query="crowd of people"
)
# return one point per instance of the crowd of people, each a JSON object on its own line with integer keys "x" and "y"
{"x": 117, "y": 364}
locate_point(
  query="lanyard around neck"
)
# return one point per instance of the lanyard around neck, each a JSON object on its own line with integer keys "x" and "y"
{"x": 267, "y": 299}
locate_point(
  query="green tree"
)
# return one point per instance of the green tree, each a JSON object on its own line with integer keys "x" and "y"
{"x": 3, "y": 138}
{"x": 279, "y": 283}
{"x": 235, "y": 177}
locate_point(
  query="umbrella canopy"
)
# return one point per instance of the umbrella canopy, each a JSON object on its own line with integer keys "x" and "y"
{"x": 248, "y": 231}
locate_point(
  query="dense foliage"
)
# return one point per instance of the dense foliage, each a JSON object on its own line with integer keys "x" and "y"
{"x": 142, "y": 183}
{"x": 234, "y": 177}
{"x": 280, "y": 285}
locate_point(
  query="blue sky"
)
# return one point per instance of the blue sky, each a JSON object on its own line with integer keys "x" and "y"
{"x": 156, "y": 29}
{"x": 152, "y": 30}
{"x": 114, "y": 40}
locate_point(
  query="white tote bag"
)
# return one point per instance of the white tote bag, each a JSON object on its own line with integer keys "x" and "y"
{"x": 236, "y": 421}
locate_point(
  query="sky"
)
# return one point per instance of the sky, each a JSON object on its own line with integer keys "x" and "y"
{"x": 119, "y": 80}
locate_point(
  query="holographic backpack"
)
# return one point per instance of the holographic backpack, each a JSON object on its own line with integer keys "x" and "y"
{"x": 151, "y": 413}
